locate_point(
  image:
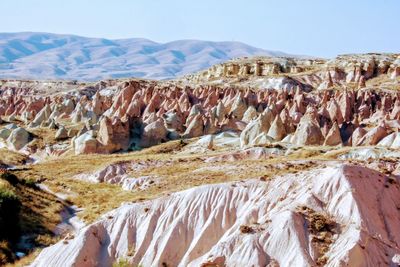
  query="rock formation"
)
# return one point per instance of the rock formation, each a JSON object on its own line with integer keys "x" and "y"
{"x": 246, "y": 225}
{"x": 246, "y": 118}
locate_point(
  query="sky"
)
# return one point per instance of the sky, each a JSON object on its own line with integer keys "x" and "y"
{"x": 322, "y": 28}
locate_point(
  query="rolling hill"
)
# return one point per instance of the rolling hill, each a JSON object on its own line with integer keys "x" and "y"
{"x": 55, "y": 56}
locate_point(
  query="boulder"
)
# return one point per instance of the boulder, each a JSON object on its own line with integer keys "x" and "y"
{"x": 250, "y": 114}
{"x": 113, "y": 134}
{"x": 388, "y": 140}
{"x": 239, "y": 107}
{"x": 357, "y": 135}
{"x": 256, "y": 127}
{"x": 61, "y": 134}
{"x": 396, "y": 142}
{"x": 333, "y": 137}
{"x": 173, "y": 120}
{"x": 335, "y": 113}
{"x": 277, "y": 130}
{"x": 373, "y": 136}
{"x": 18, "y": 138}
{"x": 261, "y": 139}
{"x": 308, "y": 132}
{"x": 42, "y": 116}
{"x": 86, "y": 144}
{"x": 154, "y": 133}
{"x": 5, "y": 133}
{"x": 195, "y": 128}
{"x": 221, "y": 111}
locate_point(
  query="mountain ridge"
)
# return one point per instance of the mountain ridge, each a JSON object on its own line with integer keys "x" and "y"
{"x": 32, "y": 55}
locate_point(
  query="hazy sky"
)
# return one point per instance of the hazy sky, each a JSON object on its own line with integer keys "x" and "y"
{"x": 309, "y": 27}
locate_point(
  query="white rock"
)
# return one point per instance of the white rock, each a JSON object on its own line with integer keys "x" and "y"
{"x": 18, "y": 138}
{"x": 202, "y": 225}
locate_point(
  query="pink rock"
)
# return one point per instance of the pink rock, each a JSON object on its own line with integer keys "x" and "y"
{"x": 113, "y": 134}
{"x": 333, "y": 137}
{"x": 373, "y": 136}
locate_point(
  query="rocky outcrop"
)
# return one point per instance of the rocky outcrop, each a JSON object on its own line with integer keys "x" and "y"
{"x": 277, "y": 130}
{"x": 86, "y": 144}
{"x": 333, "y": 137}
{"x": 250, "y": 114}
{"x": 195, "y": 127}
{"x": 308, "y": 132}
{"x": 289, "y": 73}
{"x": 123, "y": 115}
{"x": 61, "y": 134}
{"x": 257, "y": 128}
{"x": 120, "y": 173}
{"x": 225, "y": 225}
{"x": 18, "y": 138}
{"x": 113, "y": 135}
{"x": 153, "y": 134}
{"x": 373, "y": 136}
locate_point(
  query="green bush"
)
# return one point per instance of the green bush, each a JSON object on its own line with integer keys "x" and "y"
{"x": 30, "y": 183}
{"x": 9, "y": 177}
{"x": 121, "y": 263}
{"x": 9, "y": 215}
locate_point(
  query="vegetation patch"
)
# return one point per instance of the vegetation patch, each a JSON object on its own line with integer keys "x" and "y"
{"x": 9, "y": 224}
{"x": 245, "y": 229}
{"x": 9, "y": 177}
{"x": 28, "y": 212}
{"x": 322, "y": 229}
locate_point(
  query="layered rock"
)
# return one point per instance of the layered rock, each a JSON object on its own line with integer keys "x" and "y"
{"x": 352, "y": 70}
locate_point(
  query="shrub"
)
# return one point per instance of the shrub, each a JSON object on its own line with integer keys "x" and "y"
{"x": 9, "y": 215}
{"x": 245, "y": 229}
{"x": 320, "y": 223}
{"x": 121, "y": 263}
{"x": 30, "y": 183}
{"x": 9, "y": 177}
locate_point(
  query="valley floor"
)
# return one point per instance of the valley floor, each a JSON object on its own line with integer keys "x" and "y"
{"x": 174, "y": 167}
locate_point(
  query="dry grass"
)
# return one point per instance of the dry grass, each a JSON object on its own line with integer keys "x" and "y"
{"x": 11, "y": 158}
{"x": 176, "y": 172}
{"x": 383, "y": 82}
{"x": 43, "y": 137}
{"x": 39, "y": 214}
{"x": 40, "y": 211}
{"x": 320, "y": 153}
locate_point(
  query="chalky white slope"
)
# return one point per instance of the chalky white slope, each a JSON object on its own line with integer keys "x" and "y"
{"x": 202, "y": 225}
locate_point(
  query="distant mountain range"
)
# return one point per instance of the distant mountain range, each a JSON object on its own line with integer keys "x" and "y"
{"x": 58, "y": 56}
